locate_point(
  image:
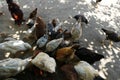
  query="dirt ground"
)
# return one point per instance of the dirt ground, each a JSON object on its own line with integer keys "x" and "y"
{"x": 106, "y": 15}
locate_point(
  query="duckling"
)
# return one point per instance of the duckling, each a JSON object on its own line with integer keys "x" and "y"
{"x": 112, "y": 36}
{"x": 32, "y": 18}
{"x": 15, "y": 11}
{"x": 44, "y": 62}
{"x": 76, "y": 31}
{"x": 88, "y": 55}
{"x": 67, "y": 53}
{"x": 12, "y": 66}
{"x": 86, "y": 71}
{"x": 53, "y": 44}
{"x": 15, "y": 46}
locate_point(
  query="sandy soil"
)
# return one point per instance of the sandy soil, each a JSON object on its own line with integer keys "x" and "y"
{"x": 106, "y": 15}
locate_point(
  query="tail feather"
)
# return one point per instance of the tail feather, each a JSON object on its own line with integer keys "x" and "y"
{"x": 9, "y": 1}
{"x": 75, "y": 46}
{"x": 104, "y": 30}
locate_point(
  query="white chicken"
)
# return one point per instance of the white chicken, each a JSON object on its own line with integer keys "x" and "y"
{"x": 53, "y": 44}
{"x": 85, "y": 71}
{"x": 12, "y": 66}
{"x": 15, "y": 46}
{"x": 44, "y": 62}
{"x": 76, "y": 31}
{"x": 42, "y": 41}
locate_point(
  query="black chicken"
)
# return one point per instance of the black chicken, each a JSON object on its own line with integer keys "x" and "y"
{"x": 83, "y": 18}
{"x": 87, "y": 55}
{"x": 97, "y": 1}
{"x": 15, "y": 11}
{"x": 111, "y": 35}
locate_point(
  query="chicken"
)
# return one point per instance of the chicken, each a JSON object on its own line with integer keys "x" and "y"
{"x": 44, "y": 62}
{"x": 15, "y": 11}
{"x": 53, "y": 44}
{"x": 42, "y": 41}
{"x": 111, "y": 35}
{"x": 32, "y": 18}
{"x": 76, "y": 31}
{"x": 86, "y": 71}
{"x": 82, "y": 17}
{"x": 88, "y": 55}
{"x": 54, "y": 29}
{"x": 15, "y": 46}
{"x": 40, "y": 28}
{"x": 12, "y": 66}
{"x": 67, "y": 53}
{"x": 54, "y": 22}
{"x": 69, "y": 72}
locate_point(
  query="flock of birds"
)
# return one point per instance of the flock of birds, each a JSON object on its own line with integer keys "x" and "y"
{"x": 58, "y": 51}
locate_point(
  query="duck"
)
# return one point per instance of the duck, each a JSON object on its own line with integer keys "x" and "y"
{"x": 76, "y": 31}
{"x": 31, "y": 18}
{"x": 86, "y": 72}
{"x": 44, "y": 62}
{"x": 12, "y": 66}
{"x": 88, "y": 55}
{"x": 111, "y": 36}
{"x": 16, "y": 12}
{"x": 14, "y": 46}
{"x": 66, "y": 54}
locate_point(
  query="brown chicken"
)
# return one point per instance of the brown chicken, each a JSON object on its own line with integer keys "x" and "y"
{"x": 69, "y": 72}
{"x": 15, "y": 11}
{"x": 67, "y": 53}
{"x": 40, "y": 28}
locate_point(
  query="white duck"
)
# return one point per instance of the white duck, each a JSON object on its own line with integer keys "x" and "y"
{"x": 44, "y": 62}
{"x": 15, "y": 46}
{"x": 42, "y": 41}
{"x": 86, "y": 71}
{"x": 53, "y": 44}
{"x": 12, "y": 66}
{"x": 76, "y": 31}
